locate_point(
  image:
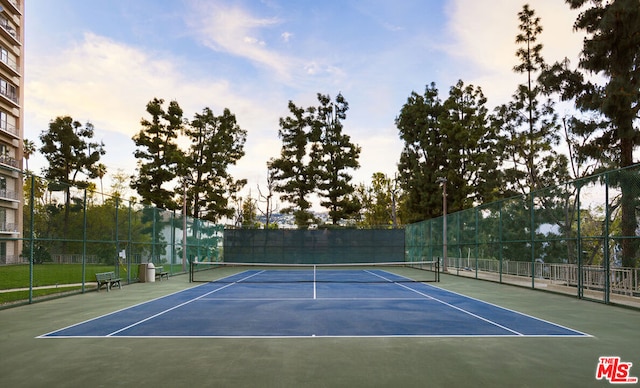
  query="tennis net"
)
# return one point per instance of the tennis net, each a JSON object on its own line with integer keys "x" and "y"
{"x": 397, "y": 272}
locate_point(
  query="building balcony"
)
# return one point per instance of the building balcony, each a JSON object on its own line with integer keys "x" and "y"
{"x": 7, "y": 29}
{"x": 15, "y": 5}
{"x": 8, "y": 195}
{"x": 8, "y": 227}
{"x": 9, "y": 161}
{"x": 9, "y": 92}
{"x": 10, "y": 64}
{"x": 9, "y": 128}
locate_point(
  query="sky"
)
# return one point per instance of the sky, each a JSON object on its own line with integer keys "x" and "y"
{"x": 102, "y": 61}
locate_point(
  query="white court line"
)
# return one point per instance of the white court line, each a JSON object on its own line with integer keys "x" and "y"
{"x": 506, "y": 309}
{"x": 515, "y": 312}
{"x": 47, "y": 335}
{"x": 306, "y": 298}
{"x": 450, "y": 305}
{"x": 180, "y": 305}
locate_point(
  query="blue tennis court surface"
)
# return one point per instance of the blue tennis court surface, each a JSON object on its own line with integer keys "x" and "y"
{"x": 258, "y": 303}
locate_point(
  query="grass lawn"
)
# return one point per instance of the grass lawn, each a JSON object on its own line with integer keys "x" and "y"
{"x": 23, "y": 295}
{"x": 63, "y": 278}
{"x": 17, "y": 276}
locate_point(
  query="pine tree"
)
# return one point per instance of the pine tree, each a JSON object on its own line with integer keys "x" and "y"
{"x": 529, "y": 123}
{"x": 73, "y": 157}
{"x": 422, "y": 159}
{"x": 159, "y": 157}
{"x": 216, "y": 143}
{"x": 332, "y": 156}
{"x": 471, "y": 146}
{"x": 612, "y": 50}
{"x": 291, "y": 173}
{"x": 453, "y": 140}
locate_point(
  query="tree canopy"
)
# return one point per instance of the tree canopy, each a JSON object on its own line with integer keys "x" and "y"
{"x": 316, "y": 158}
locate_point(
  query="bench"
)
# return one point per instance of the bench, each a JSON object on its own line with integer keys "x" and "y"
{"x": 107, "y": 279}
{"x": 160, "y": 272}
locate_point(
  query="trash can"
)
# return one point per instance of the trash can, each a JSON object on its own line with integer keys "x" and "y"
{"x": 151, "y": 273}
{"x": 142, "y": 272}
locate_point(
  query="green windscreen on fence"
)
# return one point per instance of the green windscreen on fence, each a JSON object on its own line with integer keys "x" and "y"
{"x": 314, "y": 246}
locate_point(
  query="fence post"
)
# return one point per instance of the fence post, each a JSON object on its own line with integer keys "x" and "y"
{"x": 606, "y": 240}
{"x": 31, "y": 236}
{"x": 501, "y": 243}
{"x": 117, "y": 264}
{"x": 153, "y": 238}
{"x": 173, "y": 240}
{"x": 579, "y": 245}
{"x": 84, "y": 239}
{"x": 477, "y": 239}
{"x": 532, "y": 234}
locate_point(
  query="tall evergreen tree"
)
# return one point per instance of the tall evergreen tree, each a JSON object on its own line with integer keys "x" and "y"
{"x": 612, "y": 51}
{"x": 332, "y": 156}
{"x": 73, "y": 157}
{"x": 529, "y": 122}
{"x": 291, "y": 173}
{"x": 216, "y": 143}
{"x": 158, "y": 154}
{"x": 609, "y": 102}
{"x": 422, "y": 160}
{"x": 472, "y": 149}
{"x": 452, "y": 140}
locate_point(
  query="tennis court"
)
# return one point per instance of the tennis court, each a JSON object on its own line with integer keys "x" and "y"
{"x": 145, "y": 360}
{"x": 311, "y": 302}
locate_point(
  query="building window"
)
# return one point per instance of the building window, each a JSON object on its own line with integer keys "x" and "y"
{"x": 8, "y": 123}
{"x": 4, "y": 55}
{"x": 8, "y": 90}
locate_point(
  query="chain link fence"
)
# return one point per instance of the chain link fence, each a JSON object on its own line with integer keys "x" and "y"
{"x": 579, "y": 238}
{"x": 71, "y": 233}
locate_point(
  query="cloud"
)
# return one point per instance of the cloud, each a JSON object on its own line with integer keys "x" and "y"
{"x": 109, "y": 84}
{"x": 235, "y": 31}
{"x": 94, "y": 80}
{"x": 286, "y": 36}
{"x": 482, "y": 37}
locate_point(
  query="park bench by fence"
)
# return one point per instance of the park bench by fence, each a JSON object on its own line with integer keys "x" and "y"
{"x": 107, "y": 279}
{"x": 160, "y": 272}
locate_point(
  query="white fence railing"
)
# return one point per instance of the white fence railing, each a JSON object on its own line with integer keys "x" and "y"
{"x": 623, "y": 281}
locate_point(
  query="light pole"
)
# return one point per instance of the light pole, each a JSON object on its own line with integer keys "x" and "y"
{"x": 444, "y": 222}
{"x": 184, "y": 227}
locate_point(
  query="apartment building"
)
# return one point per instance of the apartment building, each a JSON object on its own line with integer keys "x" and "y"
{"x": 11, "y": 129}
